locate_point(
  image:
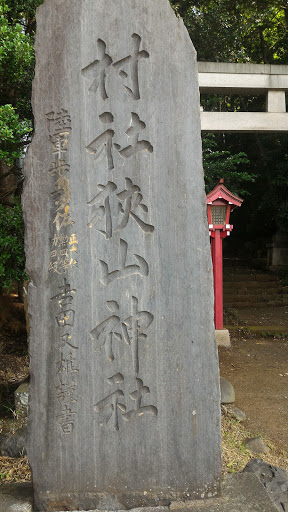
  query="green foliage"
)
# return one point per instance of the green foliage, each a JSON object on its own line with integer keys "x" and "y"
{"x": 212, "y": 29}
{"x": 242, "y": 31}
{"x": 16, "y": 64}
{"x": 16, "y": 72}
{"x": 12, "y": 259}
{"x": 223, "y": 164}
{"x": 23, "y": 11}
{"x": 17, "y": 61}
{"x": 12, "y": 134}
{"x": 272, "y": 191}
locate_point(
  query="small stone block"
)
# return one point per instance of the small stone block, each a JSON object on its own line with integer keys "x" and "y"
{"x": 238, "y": 414}
{"x": 223, "y": 338}
{"x": 21, "y": 397}
{"x": 256, "y": 445}
{"x": 276, "y": 101}
{"x": 227, "y": 392}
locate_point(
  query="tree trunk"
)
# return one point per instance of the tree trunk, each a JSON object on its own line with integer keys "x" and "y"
{"x": 262, "y": 45}
{"x": 8, "y": 184}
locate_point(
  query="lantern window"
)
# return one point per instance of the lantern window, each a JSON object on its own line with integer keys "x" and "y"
{"x": 218, "y": 214}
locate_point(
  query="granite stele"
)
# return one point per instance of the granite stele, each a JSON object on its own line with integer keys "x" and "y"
{"x": 125, "y": 401}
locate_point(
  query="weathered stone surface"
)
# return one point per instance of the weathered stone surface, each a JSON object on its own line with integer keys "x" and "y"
{"x": 256, "y": 445}
{"x": 124, "y": 394}
{"x": 240, "y": 493}
{"x": 14, "y": 445}
{"x": 227, "y": 391}
{"x": 233, "y": 412}
{"x": 223, "y": 338}
{"x": 274, "y": 480}
{"x": 16, "y": 497}
{"x": 238, "y": 414}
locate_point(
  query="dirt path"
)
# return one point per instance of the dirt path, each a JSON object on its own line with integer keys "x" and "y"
{"x": 258, "y": 370}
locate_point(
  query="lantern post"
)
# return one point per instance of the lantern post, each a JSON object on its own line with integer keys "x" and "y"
{"x": 220, "y": 203}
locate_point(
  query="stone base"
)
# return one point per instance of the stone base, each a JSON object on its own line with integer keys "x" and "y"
{"x": 223, "y": 338}
{"x": 242, "y": 492}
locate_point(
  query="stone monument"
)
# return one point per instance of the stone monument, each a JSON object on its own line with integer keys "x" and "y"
{"x": 124, "y": 394}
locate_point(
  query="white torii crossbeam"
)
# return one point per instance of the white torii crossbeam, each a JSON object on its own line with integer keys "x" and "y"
{"x": 251, "y": 79}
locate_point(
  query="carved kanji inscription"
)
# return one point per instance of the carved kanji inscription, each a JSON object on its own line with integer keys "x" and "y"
{"x": 141, "y": 268}
{"x": 132, "y": 61}
{"x": 127, "y": 68}
{"x": 116, "y": 327}
{"x": 128, "y": 201}
{"x": 95, "y": 72}
{"x": 102, "y": 146}
{"x": 116, "y": 408}
{"x": 133, "y": 133}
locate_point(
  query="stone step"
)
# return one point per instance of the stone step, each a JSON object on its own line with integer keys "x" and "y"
{"x": 264, "y": 298}
{"x": 240, "y": 305}
{"x": 255, "y": 285}
{"x": 235, "y": 277}
{"x": 253, "y": 291}
{"x": 266, "y": 330}
{"x": 247, "y": 288}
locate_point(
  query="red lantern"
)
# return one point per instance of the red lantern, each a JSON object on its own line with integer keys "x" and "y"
{"x": 220, "y": 203}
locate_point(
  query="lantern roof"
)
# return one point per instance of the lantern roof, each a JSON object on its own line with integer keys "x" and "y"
{"x": 221, "y": 192}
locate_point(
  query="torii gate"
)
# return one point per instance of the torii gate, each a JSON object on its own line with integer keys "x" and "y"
{"x": 269, "y": 79}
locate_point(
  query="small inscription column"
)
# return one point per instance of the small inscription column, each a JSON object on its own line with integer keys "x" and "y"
{"x": 125, "y": 406}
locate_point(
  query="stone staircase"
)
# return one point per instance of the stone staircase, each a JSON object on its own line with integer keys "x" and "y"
{"x": 255, "y": 300}
{"x": 246, "y": 287}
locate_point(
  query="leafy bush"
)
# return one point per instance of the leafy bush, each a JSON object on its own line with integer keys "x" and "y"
{"x": 219, "y": 163}
{"x": 12, "y": 132}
